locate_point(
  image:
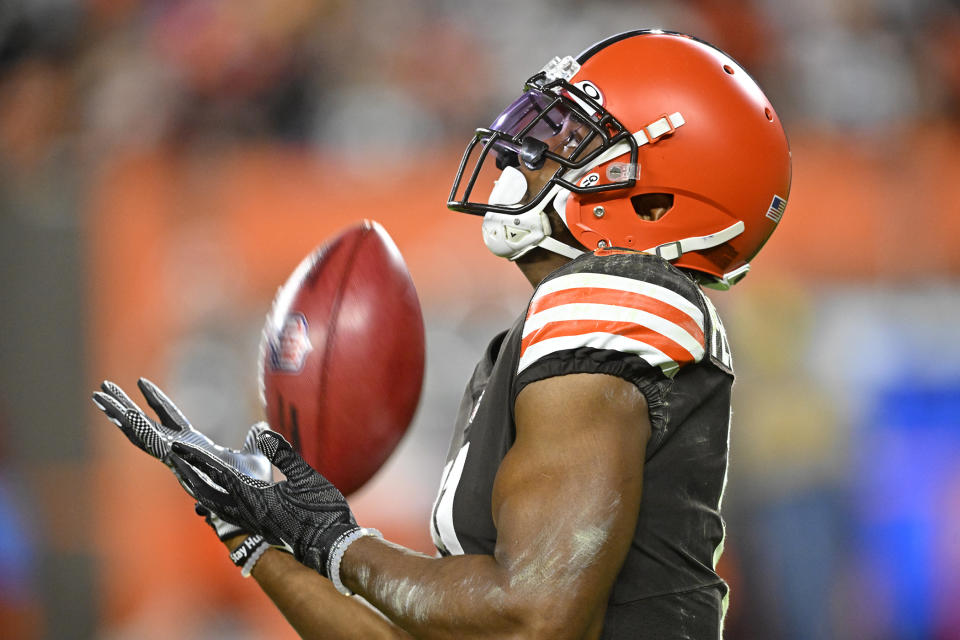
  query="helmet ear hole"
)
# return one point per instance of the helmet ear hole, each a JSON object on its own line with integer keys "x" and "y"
{"x": 652, "y": 206}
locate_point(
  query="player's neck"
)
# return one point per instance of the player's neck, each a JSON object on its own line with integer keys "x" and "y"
{"x": 539, "y": 263}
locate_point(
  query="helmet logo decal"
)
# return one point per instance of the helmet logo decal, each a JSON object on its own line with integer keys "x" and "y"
{"x": 591, "y": 91}
{"x": 777, "y": 207}
{"x": 590, "y": 179}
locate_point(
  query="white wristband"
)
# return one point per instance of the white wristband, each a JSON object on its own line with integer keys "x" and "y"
{"x": 336, "y": 555}
{"x": 254, "y": 558}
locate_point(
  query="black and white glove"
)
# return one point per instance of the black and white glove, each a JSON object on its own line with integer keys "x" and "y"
{"x": 305, "y": 511}
{"x": 156, "y": 438}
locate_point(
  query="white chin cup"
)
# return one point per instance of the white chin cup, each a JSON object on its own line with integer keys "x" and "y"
{"x": 511, "y": 235}
{"x": 509, "y": 188}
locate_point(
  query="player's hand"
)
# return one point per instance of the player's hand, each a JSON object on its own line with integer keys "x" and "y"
{"x": 305, "y": 511}
{"x": 156, "y": 438}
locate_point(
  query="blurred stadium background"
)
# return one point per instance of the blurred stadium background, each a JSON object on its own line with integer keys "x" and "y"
{"x": 164, "y": 164}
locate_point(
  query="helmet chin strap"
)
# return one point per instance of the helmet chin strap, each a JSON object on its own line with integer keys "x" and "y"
{"x": 675, "y": 248}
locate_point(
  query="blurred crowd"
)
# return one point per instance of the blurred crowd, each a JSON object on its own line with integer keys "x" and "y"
{"x": 95, "y": 77}
{"x": 87, "y": 86}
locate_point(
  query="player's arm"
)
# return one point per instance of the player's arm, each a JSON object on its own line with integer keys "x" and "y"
{"x": 565, "y": 504}
{"x": 310, "y": 603}
{"x": 566, "y": 500}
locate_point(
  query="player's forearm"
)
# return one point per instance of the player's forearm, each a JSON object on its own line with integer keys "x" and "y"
{"x": 310, "y": 603}
{"x": 459, "y": 597}
{"x": 313, "y": 607}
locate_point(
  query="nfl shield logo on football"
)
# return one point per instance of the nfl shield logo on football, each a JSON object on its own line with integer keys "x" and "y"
{"x": 289, "y": 350}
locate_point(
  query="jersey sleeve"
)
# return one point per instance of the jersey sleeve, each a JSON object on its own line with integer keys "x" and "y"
{"x": 630, "y": 315}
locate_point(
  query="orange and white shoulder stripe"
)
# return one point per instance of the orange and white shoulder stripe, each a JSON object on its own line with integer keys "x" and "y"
{"x": 603, "y": 311}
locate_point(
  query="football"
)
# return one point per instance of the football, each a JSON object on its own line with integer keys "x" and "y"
{"x": 342, "y": 355}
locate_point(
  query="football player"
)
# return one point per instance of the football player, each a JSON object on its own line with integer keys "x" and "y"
{"x": 581, "y": 497}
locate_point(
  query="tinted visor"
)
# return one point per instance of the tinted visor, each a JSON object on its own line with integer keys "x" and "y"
{"x": 537, "y": 125}
{"x": 543, "y": 111}
{"x": 545, "y": 130}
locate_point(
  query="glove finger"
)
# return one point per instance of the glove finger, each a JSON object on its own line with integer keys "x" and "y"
{"x": 250, "y": 442}
{"x": 223, "y": 474}
{"x": 201, "y": 461}
{"x": 117, "y": 414}
{"x": 148, "y": 433}
{"x": 170, "y": 415}
{"x": 223, "y": 503}
{"x": 212, "y": 498}
{"x": 249, "y": 460}
{"x": 282, "y": 455}
{"x": 109, "y": 405}
{"x": 118, "y": 394}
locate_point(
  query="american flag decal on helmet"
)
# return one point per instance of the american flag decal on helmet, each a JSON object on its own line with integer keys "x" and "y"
{"x": 777, "y": 207}
{"x": 602, "y": 311}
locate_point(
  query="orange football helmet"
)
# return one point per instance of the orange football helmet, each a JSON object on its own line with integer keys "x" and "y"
{"x": 640, "y": 113}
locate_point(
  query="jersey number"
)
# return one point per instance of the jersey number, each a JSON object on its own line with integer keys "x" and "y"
{"x": 717, "y": 344}
{"x": 441, "y": 525}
